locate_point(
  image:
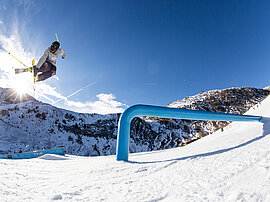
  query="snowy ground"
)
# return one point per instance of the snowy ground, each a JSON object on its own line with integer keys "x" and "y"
{"x": 230, "y": 166}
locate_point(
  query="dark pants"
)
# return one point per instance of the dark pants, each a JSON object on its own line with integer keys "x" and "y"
{"x": 47, "y": 70}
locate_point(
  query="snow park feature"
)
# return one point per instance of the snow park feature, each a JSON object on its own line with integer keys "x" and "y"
{"x": 34, "y": 154}
{"x": 122, "y": 149}
{"x": 226, "y": 166}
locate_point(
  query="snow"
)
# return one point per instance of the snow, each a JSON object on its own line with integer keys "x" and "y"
{"x": 233, "y": 165}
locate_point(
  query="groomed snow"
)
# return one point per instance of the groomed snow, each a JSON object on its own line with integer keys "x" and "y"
{"x": 233, "y": 165}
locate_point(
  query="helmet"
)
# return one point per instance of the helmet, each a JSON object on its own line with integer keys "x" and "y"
{"x": 55, "y": 45}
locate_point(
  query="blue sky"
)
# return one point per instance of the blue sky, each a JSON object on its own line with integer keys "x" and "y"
{"x": 121, "y": 53}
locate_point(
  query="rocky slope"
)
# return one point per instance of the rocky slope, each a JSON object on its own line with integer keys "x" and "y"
{"x": 27, "y": 124}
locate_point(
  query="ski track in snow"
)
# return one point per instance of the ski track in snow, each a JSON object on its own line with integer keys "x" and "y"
{"x": 233, "y": 165}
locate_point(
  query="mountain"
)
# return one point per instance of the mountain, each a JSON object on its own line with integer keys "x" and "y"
{"x": 27, "y": 124}
{"x": 11, "y": 96}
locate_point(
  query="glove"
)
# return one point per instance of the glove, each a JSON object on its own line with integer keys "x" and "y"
{"x": 63, "y": 57}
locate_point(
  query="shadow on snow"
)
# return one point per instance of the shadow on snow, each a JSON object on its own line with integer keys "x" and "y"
{"x": 266, "y": 132}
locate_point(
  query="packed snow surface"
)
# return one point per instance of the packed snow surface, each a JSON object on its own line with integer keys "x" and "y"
{"x": 233, "y": 165}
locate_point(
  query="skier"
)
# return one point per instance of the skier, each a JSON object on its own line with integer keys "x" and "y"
{"x": 45, "y": 67}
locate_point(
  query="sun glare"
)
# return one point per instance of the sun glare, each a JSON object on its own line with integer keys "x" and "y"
{"x": 22, "y": 86}
{"x": 21, "y": 89}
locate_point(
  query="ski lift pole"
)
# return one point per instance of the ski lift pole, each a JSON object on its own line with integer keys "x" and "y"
{"x": 16, "y": 58}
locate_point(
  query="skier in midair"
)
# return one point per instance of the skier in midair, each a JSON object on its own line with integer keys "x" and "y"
{"x": 45, "y": 67}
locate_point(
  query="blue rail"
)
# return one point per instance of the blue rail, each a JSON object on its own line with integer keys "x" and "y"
{"x": 34, "y": 154}
{"x": 122, "y": 148}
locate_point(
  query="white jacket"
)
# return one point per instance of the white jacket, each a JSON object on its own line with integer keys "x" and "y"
{"x": 50, "y": 57}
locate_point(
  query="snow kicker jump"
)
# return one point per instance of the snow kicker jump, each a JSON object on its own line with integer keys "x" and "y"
{"x": 123, "y": 135}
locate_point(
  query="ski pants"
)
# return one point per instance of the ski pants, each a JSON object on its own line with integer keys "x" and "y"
{"x": 45, "y": 71}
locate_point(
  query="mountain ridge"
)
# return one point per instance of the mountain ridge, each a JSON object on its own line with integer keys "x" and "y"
{"x": 28, "y": 124}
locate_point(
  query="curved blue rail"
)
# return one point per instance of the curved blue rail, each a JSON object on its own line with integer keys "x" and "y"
{"x": 122, "y": 148}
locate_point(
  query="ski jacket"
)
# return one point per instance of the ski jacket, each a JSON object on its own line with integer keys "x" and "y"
{"x": 50, "y": 57}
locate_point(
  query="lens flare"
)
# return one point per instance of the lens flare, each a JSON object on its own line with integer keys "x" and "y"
{"x": 22, "y": 85}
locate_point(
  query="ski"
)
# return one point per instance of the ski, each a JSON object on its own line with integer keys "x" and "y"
{"x": 22, "y": 70}
{"x": 28, "y": 69}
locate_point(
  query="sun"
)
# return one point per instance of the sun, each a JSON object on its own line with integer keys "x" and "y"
{"x": 21, "y": 89}
{"x": 22, "y": 86}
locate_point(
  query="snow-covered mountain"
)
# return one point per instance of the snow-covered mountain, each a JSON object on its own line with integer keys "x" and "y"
{"x": 27, "y": 124}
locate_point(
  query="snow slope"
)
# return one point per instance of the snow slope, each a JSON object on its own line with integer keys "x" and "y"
{"x": 233, "y": 165}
